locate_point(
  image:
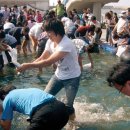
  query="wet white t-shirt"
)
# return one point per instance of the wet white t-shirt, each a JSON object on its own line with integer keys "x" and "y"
{"x": 8, "y": 25}
{"x": 68, "y": 67}
{"x": 36, "y": 30}
{"x": 122, "y": 23}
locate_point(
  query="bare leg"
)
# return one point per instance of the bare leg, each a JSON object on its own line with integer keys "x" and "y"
{"x": 71, "y": 124}
{"x": 34, "y": 42}
{"x": 18, "y": 48}
{"x": 24, "y": 47}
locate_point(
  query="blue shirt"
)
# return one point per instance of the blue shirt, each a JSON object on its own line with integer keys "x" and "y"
{"x": 10, "y": 40}
{"x": 24, "y": 101}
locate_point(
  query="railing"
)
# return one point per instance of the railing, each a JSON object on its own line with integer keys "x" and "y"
{"x": 36, "y": 8}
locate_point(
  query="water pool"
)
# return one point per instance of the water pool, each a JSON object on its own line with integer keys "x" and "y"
{"x": 98, "y": 107}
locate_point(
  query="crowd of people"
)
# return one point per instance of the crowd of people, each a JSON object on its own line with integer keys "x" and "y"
{"x": 58, "y": 39}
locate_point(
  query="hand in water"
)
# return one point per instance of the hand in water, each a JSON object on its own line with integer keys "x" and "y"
{"x": 23, "y": 67}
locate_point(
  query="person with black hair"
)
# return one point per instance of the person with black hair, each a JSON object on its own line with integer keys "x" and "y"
{"x": 21, "y": 18}
{"x": 44, "y": 110}
{"x": 94, "y": 21}
{"x": 82, "y": 30}
{"x": 15, "y": 11}
{"x": 61, "y": 50}
{"x": 119, "y": 77}
{"x": 19, "y": 33}
{"x": 95, "y": 41}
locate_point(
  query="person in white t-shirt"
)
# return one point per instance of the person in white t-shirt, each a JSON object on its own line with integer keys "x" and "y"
{"x": 122, "y": 26}
{"x": 34, "y": 32}
{"x": 8, "y": 25}
{"x": 69, "y": 27}
{"x": 61, "y": 50}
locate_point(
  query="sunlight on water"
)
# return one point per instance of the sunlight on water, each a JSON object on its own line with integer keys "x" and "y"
{"x": 97, "y": 106}
{"x": 95, "y": 113}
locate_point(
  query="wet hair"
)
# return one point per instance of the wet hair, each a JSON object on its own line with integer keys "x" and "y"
{"x": 119, "y": 73}
{"x": 125, "y": 57}
{"x": 5, "y": 90}
{"x": 56, "y": 26}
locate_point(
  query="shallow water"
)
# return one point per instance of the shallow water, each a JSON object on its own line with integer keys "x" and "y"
{"x": 98, "y": 107}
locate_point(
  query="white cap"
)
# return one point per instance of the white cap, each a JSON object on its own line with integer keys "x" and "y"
{"x": 123, "y": 14}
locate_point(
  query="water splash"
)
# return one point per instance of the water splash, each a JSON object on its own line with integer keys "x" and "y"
{"x": 95, "y": 113}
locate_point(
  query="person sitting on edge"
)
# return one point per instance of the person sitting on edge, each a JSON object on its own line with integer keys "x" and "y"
{"x": 45, "y": 111}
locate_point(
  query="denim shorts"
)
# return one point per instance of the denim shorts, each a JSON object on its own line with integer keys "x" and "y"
{"x": 71, "y": 88}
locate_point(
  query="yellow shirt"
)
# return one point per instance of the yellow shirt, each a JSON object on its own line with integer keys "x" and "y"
{"x": 60, "y": 10}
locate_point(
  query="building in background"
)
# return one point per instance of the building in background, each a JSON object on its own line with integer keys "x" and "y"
{"x": 37, "y": 4}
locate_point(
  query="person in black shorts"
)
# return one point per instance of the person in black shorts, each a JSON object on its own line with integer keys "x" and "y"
{"x": 18, "y": 33}
{"x": 44, "y": 110}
